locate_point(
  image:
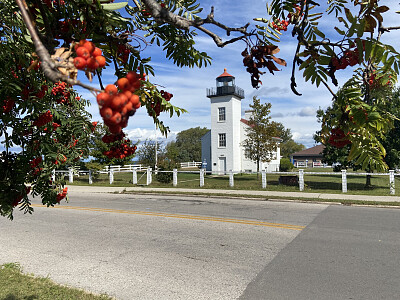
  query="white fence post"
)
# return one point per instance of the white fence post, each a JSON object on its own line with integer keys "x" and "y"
{"x": 175, "y": 177}
{"x": 201, "y": 177}
{"x": 301, "y": 180}
{"x": 53, "y": 175}
{"x": 134, "y": 176}
{"x": 344, "y": 181}
{"x": 148, "y": 181}
{"x": 111, "y": 176}
{"x": 231, "y": 183}
{"x": 264, "y": 179}
{"x": 391, "y": 182}
{"x": 70, "y": 175}
{"x": 90, "y": 177}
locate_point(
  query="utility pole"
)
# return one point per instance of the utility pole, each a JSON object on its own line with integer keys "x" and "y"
{"x": 155, "y": 150}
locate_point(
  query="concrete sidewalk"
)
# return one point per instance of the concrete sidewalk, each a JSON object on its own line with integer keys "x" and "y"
{"x": 243, "y": 193}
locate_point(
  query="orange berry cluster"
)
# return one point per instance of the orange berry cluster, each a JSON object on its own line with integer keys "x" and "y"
{"x": 60, "y": 89}
{"x": 62, "y": 195}
{"x": 280, "y": 25}
{"x": 121, "y": 150}
{"x": 338, "y": 138}
{"x": 349, "y": 58}
{"x": 35, "y": 162}
{"x": 88, "y": 56}
{"x": 43, "y": 119}
{"x": 167, "y": 96}
{"x": 8, "y": 104}
{"x": 117, "y": 104}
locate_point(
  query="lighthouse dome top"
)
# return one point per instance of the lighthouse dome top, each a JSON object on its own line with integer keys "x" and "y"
{"x": 225, "y": 74}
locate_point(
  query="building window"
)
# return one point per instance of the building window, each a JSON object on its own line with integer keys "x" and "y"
{"x": 222, "y": 140}
{"x": 221, "y": 114}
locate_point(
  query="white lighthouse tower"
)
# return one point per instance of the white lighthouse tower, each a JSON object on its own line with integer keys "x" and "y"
{"x": 223, "y": 152}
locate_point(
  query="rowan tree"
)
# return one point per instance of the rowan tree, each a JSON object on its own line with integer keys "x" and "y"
{"x": 43, "y": 46}
{"x": 63, "y": 37}
{"x": 356, "y": 45}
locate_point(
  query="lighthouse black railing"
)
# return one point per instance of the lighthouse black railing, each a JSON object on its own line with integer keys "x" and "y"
{"x": 225, "y": 90}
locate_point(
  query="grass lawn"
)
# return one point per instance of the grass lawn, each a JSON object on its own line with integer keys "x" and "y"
{"x": 16, "y": 285}
{"x": 313, "y": 183}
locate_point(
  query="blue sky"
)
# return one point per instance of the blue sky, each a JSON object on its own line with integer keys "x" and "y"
{"x": 189, "y": 85}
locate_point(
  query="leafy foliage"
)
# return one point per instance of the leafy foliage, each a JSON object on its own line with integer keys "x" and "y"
{"x": 261, "y": 134}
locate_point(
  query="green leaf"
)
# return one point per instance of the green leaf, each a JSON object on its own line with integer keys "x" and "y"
{"x": 114, "y": 6}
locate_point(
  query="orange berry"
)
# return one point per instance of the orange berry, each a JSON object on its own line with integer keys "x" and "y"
{"x": 106, "y": 113}
{"x": 137, "y": 106}
{"x": 132, "y": 77}
{"x": 79, "y": 44}
{"x": 116, "y": 103}
{"x": 123, "y": 83}
{"x": 83, "y": 52}
{"x": 89, "y": 46}
{"x": 116, "y": 118}
{"x": 128, "y": 94}
{"x": 92, "y": 64}
{"x": 129, "y": 106}
{"x": 103, "y": 99}
{"x": 101, "y": 60}
{"x": 79, "y": 63}
{"x": 134, "y": 100}
{"x": 124, "y": 110}
{"x": 111, "y": 89}
{"x": 97, "y": 52}
{"x": 124, "y": 99}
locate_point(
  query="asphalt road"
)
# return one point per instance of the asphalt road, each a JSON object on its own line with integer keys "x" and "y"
{"x": 175, "y": 247}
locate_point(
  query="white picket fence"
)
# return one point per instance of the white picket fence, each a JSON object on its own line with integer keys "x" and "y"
{"x": 202, "y": 172}
{"x": 191, "y": 164}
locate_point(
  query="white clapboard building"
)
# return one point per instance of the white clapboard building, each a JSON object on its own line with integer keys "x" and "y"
{"x": 221, "y": 146}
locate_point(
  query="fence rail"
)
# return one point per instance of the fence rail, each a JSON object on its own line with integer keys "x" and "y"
{"x": 298, "y": 176}
{"x": 191, "y": 164}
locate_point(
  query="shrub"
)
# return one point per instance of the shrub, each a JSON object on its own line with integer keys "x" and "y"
{"x": 95, "y": 167}
{"x": 285, "y": 165}
{"x": 166, "y": 165}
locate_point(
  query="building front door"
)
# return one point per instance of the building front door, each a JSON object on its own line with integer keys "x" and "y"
{"x": 222, "y": 165}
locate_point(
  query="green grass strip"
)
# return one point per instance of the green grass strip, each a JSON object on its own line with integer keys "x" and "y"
{"x": 272, "y": 198}
{"x": 16, "y": 285}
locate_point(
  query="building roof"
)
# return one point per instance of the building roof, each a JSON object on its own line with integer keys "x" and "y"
{"x": 313, "y": 151}
{"x": 225, "y": 74}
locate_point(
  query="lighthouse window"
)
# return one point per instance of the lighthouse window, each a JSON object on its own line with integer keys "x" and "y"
{"x": 222, "y": 139}
{"x": 221, "y": 114}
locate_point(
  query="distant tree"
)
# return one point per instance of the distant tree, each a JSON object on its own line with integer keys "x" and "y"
{"x": 259, "y": 143}
{"x": 284, "y": 133}
{"x": 146, "y": 153}
{"x": 288, "y": 145}
{"x": 392, "y": 140}
{"x": 172, "y": 151}
{"x": 187, "y": 146}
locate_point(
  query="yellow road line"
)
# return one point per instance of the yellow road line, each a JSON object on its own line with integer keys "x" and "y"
{"x": 180, "y": 216}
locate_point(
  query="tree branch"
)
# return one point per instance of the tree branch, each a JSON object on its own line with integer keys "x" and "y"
{"x": 163, "y": 15}
{"x": 47, "y": 65}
